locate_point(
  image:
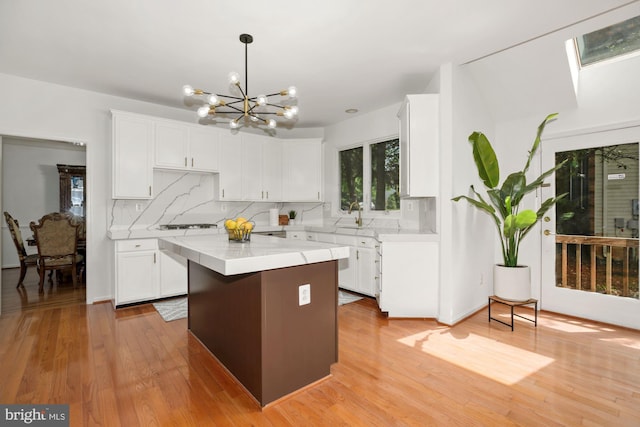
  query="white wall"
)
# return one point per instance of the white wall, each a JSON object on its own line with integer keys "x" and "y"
{"x": 31, "y": 184}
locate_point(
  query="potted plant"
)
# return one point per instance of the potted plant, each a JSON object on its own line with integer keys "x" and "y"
{"x": 511, "y": 280}
{"x": 292, "y": 217}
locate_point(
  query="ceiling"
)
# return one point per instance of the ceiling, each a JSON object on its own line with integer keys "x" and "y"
{"x": 340, "y": 54}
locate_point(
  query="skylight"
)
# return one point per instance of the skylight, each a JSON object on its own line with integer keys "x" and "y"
{"x": 610, "y": 42}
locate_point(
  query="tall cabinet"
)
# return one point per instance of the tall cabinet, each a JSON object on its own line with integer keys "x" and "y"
{"x": 419, "y": 145}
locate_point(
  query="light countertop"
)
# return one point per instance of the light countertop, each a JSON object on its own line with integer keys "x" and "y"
{"x": 261, "y": 253}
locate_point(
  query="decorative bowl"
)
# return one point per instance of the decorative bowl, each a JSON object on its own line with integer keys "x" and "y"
{"x": 240, "y": 233}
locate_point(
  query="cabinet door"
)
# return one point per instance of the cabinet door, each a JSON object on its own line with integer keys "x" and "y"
{"x": 348, "y": 271}
{"x": 272, "y": 170}
{"x": 230, "y": 176}
{"x": 302, "y": 170}
{"x": 173, "y": 274}
{"x": 136, "y": 276}
{"x": 251, "y": 157}
{"x": 419, "y": 146}
{"x": 132, "y": 166}
{"x": 366, "y": 271}
{"x": 203, "y": 149}
{"x": 171, "y": 145}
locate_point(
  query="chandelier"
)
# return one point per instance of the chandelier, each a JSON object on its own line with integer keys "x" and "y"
{"x": 247, "y": 109}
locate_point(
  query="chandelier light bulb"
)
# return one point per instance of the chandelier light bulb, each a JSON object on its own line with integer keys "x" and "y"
{"x": 213, "y": 100}
{"x": 203, "y": 111}
{"x": 288, "y": 113}
{"x": 261, "y": 100}
{"x": 234, "y": 78}
{"x": 254, "y": 118}
{"x": 292, "y": 91}
{"x": 233, "y": 124}
{"x": 271, "y": 124}
{"x": 187, "y": 90}
{"x": 294, "y": 110}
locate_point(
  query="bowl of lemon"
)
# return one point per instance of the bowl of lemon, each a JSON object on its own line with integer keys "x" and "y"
{"x": 239, "y": 229}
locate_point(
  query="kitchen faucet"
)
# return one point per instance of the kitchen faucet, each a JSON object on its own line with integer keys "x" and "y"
{"x": 359, "y": 219}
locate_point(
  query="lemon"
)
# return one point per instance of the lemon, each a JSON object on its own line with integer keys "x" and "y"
{"x": 231, "y": 224}
{"x": 240, "y": 221}
{"x": 248, "y": 226}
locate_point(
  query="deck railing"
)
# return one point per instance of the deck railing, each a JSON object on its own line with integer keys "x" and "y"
{"x": 627, "y": 248}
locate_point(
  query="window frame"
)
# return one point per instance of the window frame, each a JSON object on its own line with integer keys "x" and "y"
{"x": 366, "y": 180}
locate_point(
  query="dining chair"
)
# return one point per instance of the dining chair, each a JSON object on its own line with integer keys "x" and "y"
{"x": 16, "y": 235}
{"x": 57, "y": 240}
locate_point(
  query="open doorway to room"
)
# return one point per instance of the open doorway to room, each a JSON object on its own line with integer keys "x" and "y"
{"x": 39, "y": 177}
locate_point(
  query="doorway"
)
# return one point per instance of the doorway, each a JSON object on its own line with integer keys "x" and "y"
{"x": 590, "y": 240}
{"x": 31, "y": 188}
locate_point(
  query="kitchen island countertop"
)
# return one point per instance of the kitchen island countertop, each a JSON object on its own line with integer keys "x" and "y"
{"x": 261, "y": 253}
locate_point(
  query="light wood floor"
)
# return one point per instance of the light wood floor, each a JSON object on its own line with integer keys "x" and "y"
{"x": 130, "y": 368}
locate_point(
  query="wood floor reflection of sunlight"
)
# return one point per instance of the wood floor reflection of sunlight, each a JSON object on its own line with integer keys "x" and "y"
{"x": 470, "y": 352}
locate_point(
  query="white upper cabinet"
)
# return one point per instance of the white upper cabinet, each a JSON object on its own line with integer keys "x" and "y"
{"x": 204, "y": 148}
{"x": 230, "y": 176}
{"x": 251, "y": 158}
{"x": 132, "y": 163}
{"x": 185, "y": 147}
{"x": 302, "y": 170}
{"x": 272, "y": 170}
{"x": 419, "y": 142}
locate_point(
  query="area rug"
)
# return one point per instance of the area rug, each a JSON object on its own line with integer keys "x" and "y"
{"x": 172, "y": 309}
{"x": 346, "y": 298}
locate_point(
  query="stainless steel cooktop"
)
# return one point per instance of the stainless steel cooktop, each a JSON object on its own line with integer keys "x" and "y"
{"x": 186, "y": 226}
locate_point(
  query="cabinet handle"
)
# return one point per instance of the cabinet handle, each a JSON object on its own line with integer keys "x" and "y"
{"x": 149, "y": 190}
{"x": 262, "y": 194}
{"x": 137, "y": 246}
{"x": 154, "y": 258}
{"x": 192, "y": 162}
{"x": 357, "y": 254}
{"x": 223, "y": 193}
{"x": 185, "y": 162}
{"x": 267, "y": 195}
{"x": 318, "y": 195}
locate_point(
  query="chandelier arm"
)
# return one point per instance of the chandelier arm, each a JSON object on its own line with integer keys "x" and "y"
{"x": 230, "y": 97}
{"x": 277, "y": 106}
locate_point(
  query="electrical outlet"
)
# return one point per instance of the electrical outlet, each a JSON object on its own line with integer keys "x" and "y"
{"x": 304, "y": 294}
{"x": 138, "y": 207}
{"x": 409, "y": 206}
{"x": 223, "y": 207}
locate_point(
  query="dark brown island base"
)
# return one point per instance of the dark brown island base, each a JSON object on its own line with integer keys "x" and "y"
{"x": 274, "y": 330}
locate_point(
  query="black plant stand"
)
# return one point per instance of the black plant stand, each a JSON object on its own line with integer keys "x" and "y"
{"x": 513, "y": 304}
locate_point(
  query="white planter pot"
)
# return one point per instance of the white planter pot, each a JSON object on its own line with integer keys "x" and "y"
{"x": 512, "y": 283}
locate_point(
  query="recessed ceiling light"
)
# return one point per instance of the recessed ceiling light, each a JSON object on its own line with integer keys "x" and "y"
{"x": 351, "y": 110}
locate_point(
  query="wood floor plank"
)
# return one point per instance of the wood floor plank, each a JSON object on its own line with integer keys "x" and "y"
{"x": 130, "y": 368}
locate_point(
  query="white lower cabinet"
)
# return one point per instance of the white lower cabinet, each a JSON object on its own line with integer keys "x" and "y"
{"x": 357, "y": 273}
{"x": 144, "y": 273}
{"x": 407, "y": 278}
{"x": 136, "y": 271}
{"x": 173, "y": 274}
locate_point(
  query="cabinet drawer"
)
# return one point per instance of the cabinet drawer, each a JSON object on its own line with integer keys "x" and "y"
{"x": 136, "y": 245}
{"x": 345, "y": 240}
{"x": 326, "y": 237}
{"x": 363, "y": 242}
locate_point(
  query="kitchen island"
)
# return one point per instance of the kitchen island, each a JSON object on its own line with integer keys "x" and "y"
{"x": 266, "y": 309}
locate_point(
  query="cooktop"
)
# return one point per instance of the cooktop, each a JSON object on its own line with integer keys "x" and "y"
{"x": 186, "y": 226}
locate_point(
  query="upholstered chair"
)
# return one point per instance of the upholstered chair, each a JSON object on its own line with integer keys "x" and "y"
{"x": 56, "y": 236}
{"x": 16, "y": 235}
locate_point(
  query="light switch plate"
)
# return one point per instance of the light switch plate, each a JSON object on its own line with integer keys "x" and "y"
{"x": 304, "y": 294}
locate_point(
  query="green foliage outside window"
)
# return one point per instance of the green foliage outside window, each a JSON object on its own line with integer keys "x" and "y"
{"x": 385, "y": 174}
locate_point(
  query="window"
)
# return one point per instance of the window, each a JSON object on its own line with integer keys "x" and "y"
{"x": 385, "y": 173}
{"x": 376, "y": 187}
{"x": 350, "y": 177}
{"x": 610, "y": 42}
